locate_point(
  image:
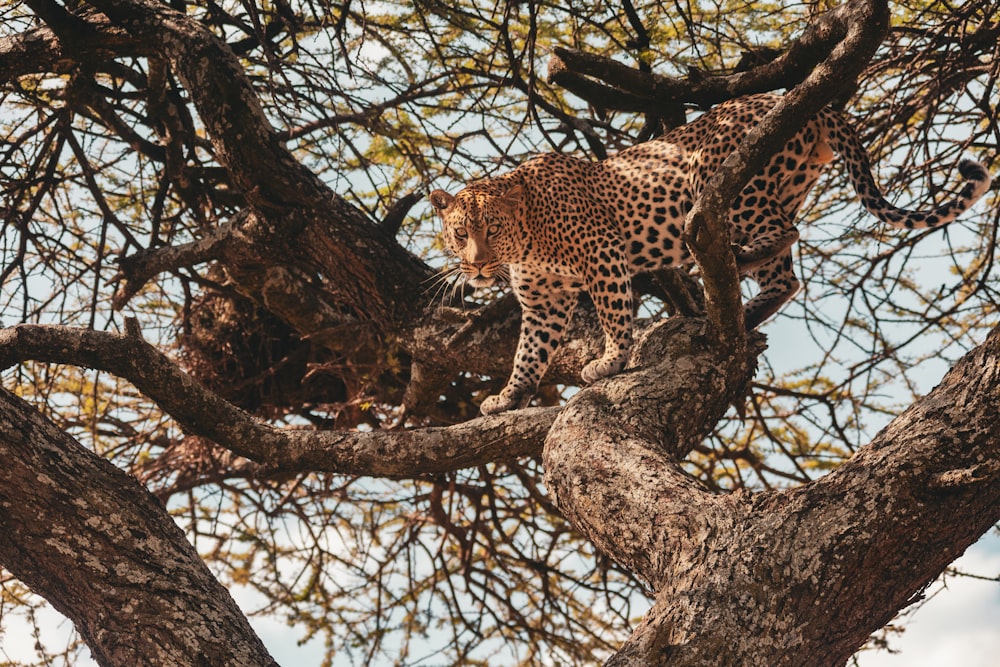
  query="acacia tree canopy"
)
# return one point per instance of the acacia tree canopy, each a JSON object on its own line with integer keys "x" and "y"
{"x": 234, "y": 358}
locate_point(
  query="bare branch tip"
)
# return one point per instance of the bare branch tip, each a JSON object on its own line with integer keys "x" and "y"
{"x": 556, "y": 66}
{"x": 132, "y": 329}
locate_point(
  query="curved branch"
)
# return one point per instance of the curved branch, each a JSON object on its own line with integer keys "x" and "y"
{"x": 706, "y": 230}
{"x": 200, "y": 411}
{"x": 301, "y": 221}
{"x": 759, "y": 573}
{"x": 135, "y": 270}
{"x": 629, "y": 89}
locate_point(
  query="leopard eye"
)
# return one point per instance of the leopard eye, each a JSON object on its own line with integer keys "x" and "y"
{"x": 493, "y": 230}
{"x": 461, "y": 233}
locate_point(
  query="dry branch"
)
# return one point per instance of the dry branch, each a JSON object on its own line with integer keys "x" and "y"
{"x": 199, "y": 411}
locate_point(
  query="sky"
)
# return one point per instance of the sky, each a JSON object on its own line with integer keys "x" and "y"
{"x": 959, "y": 625}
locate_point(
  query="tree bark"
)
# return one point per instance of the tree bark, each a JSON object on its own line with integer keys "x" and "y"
{"x": 800, "y": 577}
{"x": 93, "y": 542}
{"x": 296, "y": 227}
{"x": 399, "y": 453}
{"x": 796, "y": 577}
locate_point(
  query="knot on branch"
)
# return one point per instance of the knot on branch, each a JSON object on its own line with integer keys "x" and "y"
{"x": 132, "y": 329}
{"x": 556, "y": 66}
{"x": 962, "y": 478}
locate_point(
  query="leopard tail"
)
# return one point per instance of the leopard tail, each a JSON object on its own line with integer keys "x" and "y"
{"x": 842, "y": 138}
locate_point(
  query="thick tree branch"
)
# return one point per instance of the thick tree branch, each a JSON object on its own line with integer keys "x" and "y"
{"x": 611, "y": 456}
{"x": 575, "y": 71}
{"x": 105, "y": 553}
{"x": 629, "y": 89}
{"x": 301, "y": 221}
{"x": 771, "y": 566}
{"x": 707, "y": 229}
{"x": 697, "y": 561}
{"x": 199, "y": 411}
{"x": 398, "y": 211}
{"x": 875, "y": 531}
{"x": 40, "y": 50}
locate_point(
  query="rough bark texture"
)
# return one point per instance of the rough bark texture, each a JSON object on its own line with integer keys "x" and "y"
{"x": 787, "y": 578}
{"x": 765, "y": 579}
{"x": 295, "y": 219}
{"x": 104, "y": 552}
{"x": 612, "y": 85}
{"x": 797, "y": 577}
{"x": 403, "y": 453}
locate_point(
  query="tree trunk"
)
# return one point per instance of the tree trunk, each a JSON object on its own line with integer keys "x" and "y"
{"x": 93, "y": 542}
{"x": 795, "y": 577}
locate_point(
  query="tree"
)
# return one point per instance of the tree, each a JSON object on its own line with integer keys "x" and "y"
{"x": 242, "y": 179}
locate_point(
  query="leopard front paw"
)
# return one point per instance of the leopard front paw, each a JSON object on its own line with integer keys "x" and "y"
{"x": 498, "y": 403}
{"x": 601, "y": 368}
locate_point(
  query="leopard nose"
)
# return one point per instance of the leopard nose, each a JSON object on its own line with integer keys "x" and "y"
{"x": 478, "y": 254}
{"x": 477, "y": 267}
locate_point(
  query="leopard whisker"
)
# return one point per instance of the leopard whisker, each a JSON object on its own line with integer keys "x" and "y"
{"x": 441, "y": 275}
{"x": 435, "y": 284}
{"x": 456, "y": 287}
{"x": 503, "y": 274}
{"x": 439, "y": 285}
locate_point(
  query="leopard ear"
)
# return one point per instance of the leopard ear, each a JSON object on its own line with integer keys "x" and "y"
{"x": 514, "y": 194}
{"x": 440, "y": 200}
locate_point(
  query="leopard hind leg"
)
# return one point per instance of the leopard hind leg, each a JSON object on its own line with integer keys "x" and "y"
{"x": 761, "y": 233}
{"x": 761, "y": 250}
{"x": 778, "y": 284}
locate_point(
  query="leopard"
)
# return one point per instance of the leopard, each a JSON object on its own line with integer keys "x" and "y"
{"x": 559, "y": 224}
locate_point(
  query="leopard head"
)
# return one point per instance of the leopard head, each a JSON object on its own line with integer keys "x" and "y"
{"x": 481, "y": 228}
